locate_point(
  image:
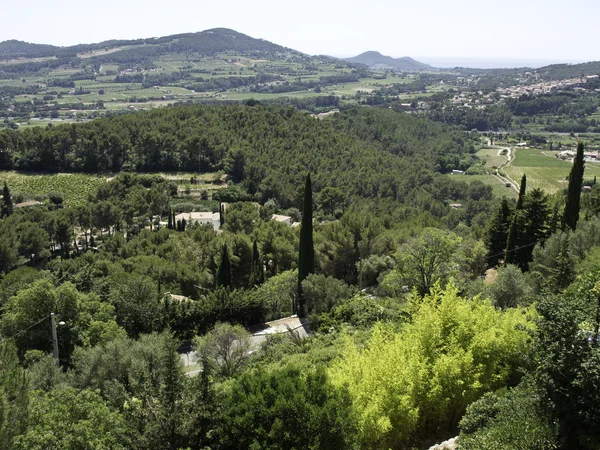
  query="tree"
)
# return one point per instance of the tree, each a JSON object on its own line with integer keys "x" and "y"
{"x": 427, "y": 258}
{"x": 322, "y": 293}
{"x": 288, "y": 408}
{"x": 306, "y": 259}
{"x": 14, "y": 387}
{"x": 7, "y": 205}
{"x": 418, "y": 382}
{"x": 226, "y": 348}
{"x": 257, "y": 272}
{"x": 70, "y": 418}
{"x": 497, "y": 233}
{"x": 512, "y": 237}
{"x": 571, "y": 214}
{"x": 224, "y": 271}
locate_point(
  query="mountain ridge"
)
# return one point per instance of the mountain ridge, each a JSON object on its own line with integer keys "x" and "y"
{"x": 373, "y": 59}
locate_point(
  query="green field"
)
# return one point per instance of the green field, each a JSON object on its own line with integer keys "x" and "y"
{"x": 74, "y": 187}
{"x": 491, "y": 157}
{"x": 498, "y": 187}
{"x": 544, "y": 170}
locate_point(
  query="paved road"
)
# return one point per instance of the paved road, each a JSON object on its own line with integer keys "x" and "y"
{"x": 259, "y": 335}
{"x": 509, "y": 157}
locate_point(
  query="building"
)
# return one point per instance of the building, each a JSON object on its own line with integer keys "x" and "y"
{"x": 201, "y": 218}
{"x": 283, "y": 219}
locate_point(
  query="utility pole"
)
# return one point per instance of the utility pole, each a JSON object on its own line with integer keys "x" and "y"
{"x": 54, "y": 338}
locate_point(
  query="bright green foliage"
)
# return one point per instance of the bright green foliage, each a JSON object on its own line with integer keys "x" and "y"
{"x": 72, "y": 419}
{"x": 306, "y": 258}
{"x": 571, "y": 213}
{"x": 418, "y": 382}
{"x": 287, "y": 408}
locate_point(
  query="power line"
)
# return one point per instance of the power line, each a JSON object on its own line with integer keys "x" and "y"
{"x": 517, "y": 248}
{"x": 23, "y": 331}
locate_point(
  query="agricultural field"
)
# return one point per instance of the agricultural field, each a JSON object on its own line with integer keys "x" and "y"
{"x": 544, "y": 170}
{"x": 75, "y": 188}
{"x": 492, "y": 157}
{"x": 499, "y": 189}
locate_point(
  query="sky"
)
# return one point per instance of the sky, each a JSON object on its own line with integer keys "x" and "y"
{"x": 439, "y": 32}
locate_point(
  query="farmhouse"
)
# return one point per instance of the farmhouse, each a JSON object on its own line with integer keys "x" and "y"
{"x": 201, "y": 218}
{"x": 283, "y": 219}
{"x": 566, "y": 154}
{"x": 26, "y": 204}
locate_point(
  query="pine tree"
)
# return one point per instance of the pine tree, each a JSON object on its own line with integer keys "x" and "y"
{"x": 571, "y": 214}
{"x": 497, "y": 233}
{"x": 7, "y": 205}
{"x": 256, "y": 267}
{"x": 224, "y": 271}
{"x": 516, "y": 224}
{"x": 306, "y": 260}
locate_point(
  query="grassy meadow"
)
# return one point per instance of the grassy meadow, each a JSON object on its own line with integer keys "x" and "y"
{"x": 544, "y": 170}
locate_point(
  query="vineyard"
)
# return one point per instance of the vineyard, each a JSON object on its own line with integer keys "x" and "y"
{"x": 74, "y": 187}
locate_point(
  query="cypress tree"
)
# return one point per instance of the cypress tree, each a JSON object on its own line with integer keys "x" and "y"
{"x": 256, "y": 267}
{"x": 306, "y": 259}
{"x": 497, "y": 233}
{"x": 224, "y": 272}
{"x": 7, "y": 205}
{"x": 571, "y": 214}
{"x": 522, "y": 190}
{"x": 512, "y": 239}
{"x": 170, "y": 224}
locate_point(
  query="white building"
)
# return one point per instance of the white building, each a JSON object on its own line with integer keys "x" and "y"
{"x": 201, "y": 218}
{"x": 283, "y": 219}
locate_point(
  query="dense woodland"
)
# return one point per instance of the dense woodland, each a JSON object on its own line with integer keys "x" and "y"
{"x": 413, "y": 340}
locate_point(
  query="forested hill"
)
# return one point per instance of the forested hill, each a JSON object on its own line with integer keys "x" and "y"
{"x": 208, "y": 42}
{"x": 14, "y": 48}
{"x": 366, "y": 152}
{"x": 564, "y": 71}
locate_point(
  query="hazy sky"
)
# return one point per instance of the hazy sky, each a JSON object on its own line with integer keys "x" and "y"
{"x": 432, "y": 30}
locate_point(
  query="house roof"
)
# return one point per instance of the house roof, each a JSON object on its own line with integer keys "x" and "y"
{"x": 26, "y": 204}
{"x": 281, "y": 218}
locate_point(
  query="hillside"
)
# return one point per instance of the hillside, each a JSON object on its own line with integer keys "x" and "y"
{"x": 377, "y": 60}
{"x": 208, "y": 42}
{"x": 16, "y": 49}
{"x": 564, "y": 71}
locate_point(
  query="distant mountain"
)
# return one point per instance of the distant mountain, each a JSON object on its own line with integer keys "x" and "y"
{"x": 14, "y": 49}
{"x": 208, "y": 42}
{"x": 377, "y": 60}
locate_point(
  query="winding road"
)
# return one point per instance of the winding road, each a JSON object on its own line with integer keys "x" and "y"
{"x": 509, "y": 157}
